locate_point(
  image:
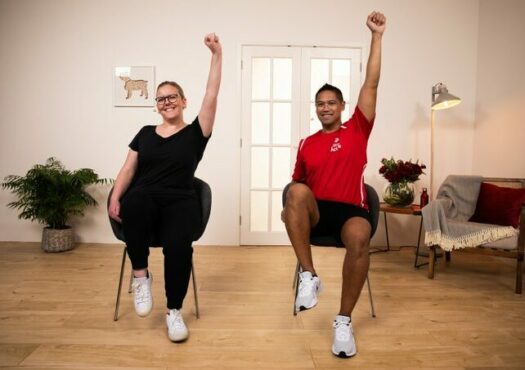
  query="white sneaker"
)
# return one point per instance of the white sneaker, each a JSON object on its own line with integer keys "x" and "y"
{"x": 177, "y": 330}
{"x": 142, "y": 295}
{"x": 309, "y": 287}
{"x": 344, "y": 342}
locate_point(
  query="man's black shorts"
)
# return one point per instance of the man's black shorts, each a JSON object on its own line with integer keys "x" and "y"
{"x": 333, "y": 215}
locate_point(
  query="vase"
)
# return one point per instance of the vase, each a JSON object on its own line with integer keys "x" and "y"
{"x": 399, "y": 194}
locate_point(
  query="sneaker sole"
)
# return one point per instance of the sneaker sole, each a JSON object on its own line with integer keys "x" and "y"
{"x": 304, "y": 308}
{"x": 144, "y": 314}
{"x": 343, "y": 354}
{"x": 179, "y": 340}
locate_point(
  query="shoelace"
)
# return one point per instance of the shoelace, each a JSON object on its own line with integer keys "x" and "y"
{"x": 342, "y": 331}
{"x": 141, "y": 292}
{"x": 305, "y": 287}
{"x": 176, "y": 320}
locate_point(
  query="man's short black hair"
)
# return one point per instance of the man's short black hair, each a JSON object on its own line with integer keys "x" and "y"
{"x": 328, "y": 87}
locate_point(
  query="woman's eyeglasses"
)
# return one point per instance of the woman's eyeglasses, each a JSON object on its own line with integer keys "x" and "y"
{"x": 161, "y": 100}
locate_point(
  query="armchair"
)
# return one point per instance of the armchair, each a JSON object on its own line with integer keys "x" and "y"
{"x": 479, "y": 215}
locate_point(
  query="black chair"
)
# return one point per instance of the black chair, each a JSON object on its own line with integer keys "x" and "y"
{"x": 203, "y": 191}
{"x": 329, "y": 241}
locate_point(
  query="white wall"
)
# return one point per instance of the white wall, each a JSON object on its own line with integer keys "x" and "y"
{"x": 499, "y": 136}
{"x": 56, "y": 59}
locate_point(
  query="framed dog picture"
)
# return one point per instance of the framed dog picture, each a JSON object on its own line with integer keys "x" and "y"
{"x": 134, "y": 86}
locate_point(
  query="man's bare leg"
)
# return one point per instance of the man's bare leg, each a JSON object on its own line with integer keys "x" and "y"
{"x": 356, "y": 238}
{"x": 299, "y": 215}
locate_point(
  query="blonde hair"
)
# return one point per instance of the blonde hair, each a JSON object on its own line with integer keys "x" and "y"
{"x": 175, "y": 85}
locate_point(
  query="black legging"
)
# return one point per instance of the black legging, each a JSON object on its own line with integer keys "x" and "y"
{"x": 172, "y": 219}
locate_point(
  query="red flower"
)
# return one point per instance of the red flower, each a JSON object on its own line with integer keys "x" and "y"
{"x": 399, "y": 171}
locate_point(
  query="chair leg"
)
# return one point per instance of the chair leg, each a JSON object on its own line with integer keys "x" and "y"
{"x": 431, "y": 261}
{"x": 117, "y": 304}
{"x": 194, "y": 280}
{"x": 130, "y": 282}
{"x": 295, "y": 285}
{"x": 296, "y": 275}
{"x": 370, "y": 296}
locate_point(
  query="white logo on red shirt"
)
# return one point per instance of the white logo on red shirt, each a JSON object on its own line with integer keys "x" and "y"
{"x": 336, "y": 145}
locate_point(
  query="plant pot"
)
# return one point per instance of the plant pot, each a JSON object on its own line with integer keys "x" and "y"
{"x": 399, "y": 194}
{"x": 57, "y": 240}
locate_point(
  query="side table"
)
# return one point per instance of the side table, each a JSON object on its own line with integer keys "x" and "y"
{"x": 413, "y": 210}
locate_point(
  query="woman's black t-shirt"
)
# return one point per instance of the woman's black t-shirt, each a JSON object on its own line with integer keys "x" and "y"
{"x": 168, "y": 164}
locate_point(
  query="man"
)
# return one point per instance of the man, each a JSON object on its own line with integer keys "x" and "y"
{"x": 327, "y": 195}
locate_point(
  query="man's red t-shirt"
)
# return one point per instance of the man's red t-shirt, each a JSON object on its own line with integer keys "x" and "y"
{"x": 333, "y": 164}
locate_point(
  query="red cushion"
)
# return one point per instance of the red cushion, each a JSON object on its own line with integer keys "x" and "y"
{"x": 498, "y": 205}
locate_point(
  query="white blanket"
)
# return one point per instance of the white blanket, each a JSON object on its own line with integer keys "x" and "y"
{"x": 446, "y": 218}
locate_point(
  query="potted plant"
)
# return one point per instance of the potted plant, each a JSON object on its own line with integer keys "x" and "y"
{"x": 50, "y": 194}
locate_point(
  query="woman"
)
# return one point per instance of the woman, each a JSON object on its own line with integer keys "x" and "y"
{"x": 153, "y": 192}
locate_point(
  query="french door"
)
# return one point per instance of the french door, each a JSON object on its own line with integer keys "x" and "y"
{"x": 278, "y": 92}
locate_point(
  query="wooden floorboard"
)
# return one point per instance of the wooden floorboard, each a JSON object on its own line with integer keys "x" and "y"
{"x": 56, "y": 312}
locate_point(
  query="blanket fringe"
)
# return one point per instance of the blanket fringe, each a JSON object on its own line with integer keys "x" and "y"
{"x": 449, "y": 243}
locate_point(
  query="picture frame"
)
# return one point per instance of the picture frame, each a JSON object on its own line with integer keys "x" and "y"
{"x": 134, "y": 86}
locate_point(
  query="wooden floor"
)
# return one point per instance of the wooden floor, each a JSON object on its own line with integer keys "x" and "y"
{"x": 56, "y": 312}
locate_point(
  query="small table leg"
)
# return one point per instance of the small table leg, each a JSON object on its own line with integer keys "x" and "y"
{"x": 386, "y": 231}
{"x": 431, "y": 261}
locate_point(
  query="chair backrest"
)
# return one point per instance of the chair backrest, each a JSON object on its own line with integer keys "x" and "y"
{"x": 115, "y": 226}
{"x": 505, "y": 182}
{"x": 373, "y": 207}
{"x": 203, "y": 191}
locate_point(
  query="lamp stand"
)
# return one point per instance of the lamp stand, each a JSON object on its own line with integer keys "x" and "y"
{"x": 441, "y": 99}
{"x": 431, "y": 187}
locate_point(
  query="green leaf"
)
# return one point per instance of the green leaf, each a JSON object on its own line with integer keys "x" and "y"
{"x": 50, "y": 194}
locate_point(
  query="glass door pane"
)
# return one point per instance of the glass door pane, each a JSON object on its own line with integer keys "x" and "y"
{"x": 337, "y": 66}
{"x": 271, "y": 102}
{"x": 278, "y": 92}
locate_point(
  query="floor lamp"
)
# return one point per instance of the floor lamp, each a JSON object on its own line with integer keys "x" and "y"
{"x": 441, "y": 99}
